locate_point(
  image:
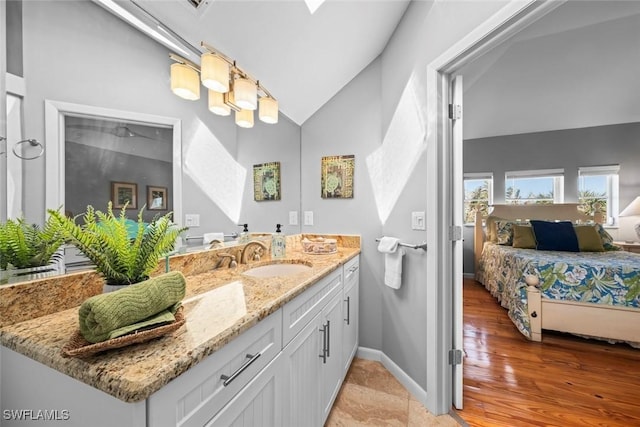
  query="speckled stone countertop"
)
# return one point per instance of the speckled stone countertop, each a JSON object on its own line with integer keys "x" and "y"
{"x": 219, "y": 305}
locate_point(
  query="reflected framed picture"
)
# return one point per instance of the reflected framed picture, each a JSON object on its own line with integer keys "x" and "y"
{"x": 266, "y": 181}
{"x": 156, "y": 198}
{"x": 336, "y": 178}
{"x": 123, "y": 193}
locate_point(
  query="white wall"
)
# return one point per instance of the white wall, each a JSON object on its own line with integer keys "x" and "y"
{"x": 75, "y": 51}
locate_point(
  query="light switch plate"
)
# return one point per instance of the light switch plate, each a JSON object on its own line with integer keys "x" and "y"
{"x": 293, "y": 217}
{"x": 192, "y": 220}
{"x": 418, "y": 221}
{"x": 308, "y": 217}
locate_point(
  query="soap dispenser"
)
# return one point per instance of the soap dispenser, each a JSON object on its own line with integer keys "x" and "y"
{"x": 244, "y": 235}
{"x": 278, "y": 244}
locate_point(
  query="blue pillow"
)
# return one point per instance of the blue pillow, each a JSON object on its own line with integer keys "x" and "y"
{"x": 555, "y": 236}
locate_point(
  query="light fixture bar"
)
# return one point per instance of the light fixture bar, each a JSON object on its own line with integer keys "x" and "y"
{"x": 261, "y": 99}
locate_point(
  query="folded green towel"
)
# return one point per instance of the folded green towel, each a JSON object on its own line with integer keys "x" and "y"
{"x": 103, "y": 314}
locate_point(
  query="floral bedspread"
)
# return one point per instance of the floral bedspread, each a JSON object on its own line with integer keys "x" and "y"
{"x": 611, "y": 278}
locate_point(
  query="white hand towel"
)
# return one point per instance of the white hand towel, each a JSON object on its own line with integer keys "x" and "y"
{"x": 210, "y": 237}
{"x": 392, "y": 261}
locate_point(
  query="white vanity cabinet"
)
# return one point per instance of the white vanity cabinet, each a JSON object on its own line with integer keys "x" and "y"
{"x": 195, "y": 397}
{"x": 351, "y": 294}
{"x": 322, "y": 344}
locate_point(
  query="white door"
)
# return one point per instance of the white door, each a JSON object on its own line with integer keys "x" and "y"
{"x": 331, "y": 374}
{"x": 457, "y": 222}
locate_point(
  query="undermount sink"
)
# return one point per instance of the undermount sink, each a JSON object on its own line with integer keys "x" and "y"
{"x": 277, "y": 269}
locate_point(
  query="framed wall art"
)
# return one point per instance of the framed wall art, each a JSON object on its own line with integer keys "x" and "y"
{"x": 337, "y": 177}
{"x": 266, "y": 181}
{"x": 156, "y": 198}
{"x": 123, "y": 192}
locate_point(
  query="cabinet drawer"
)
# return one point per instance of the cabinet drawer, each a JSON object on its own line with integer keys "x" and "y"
{"x": 196, "y": 396}
{"x": 299, "y": 311}
{"x": 351, "y": 273}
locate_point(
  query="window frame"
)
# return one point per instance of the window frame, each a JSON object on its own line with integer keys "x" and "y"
{"x": 468, "y": 176}
{"x": 612, "y": 172}
{"x": 556, "y": 174}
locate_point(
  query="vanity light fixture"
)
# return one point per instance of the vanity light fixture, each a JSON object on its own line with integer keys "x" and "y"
{"x": 229, "y": 87}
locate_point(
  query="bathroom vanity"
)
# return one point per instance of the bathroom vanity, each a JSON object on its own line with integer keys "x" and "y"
{"x": 269, "y": 351}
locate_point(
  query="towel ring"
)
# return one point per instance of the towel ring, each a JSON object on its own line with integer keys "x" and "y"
{"x": 33, "y": 143}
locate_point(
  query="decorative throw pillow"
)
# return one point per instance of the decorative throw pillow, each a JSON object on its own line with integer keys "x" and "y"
{"x": 555, "y": 236}
{"x": 588, "y": 238}
{"x": 523, "y": 237}
{"x": 504, "y": 232}
{"x": 607, "y": 240}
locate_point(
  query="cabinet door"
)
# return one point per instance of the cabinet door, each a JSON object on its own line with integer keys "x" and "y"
{"x": 332, "y": 372}
{"x": 302, "y": 376}
{"x": 259, "y": 404}
{"x": 350, "y": 322}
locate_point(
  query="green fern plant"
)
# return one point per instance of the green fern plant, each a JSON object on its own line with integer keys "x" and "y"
{"x": 24, "y": 245}
{"x": 105, "y": 239}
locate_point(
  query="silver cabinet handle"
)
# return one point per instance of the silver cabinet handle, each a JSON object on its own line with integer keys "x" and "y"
{"x": 348, "y": 319}
{"x": 229, "y": 378}
{"x": 324, "y": 343}
{"x": 328, "y": 339}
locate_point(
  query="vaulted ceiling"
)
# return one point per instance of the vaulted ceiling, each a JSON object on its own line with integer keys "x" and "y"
{"x": 303, "y": 59}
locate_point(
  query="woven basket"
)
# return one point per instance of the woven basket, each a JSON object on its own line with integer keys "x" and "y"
{"x": 79, "y": 347}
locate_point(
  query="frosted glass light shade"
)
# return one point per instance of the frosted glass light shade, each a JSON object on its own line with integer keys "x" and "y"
{"x": 268, "y": 110}
{"x": 185, "y": 82}
{"x": 217, "y": 105}
{"x": 246, "y": 94}
{"x": 244, "y": 118}
{"x": 214, "y": 72}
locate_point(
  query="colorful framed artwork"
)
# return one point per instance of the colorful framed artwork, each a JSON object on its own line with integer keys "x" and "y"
{"x": 123, "y": 193}
{"x": 266, "y": 181}
{"x": 337, "y": 177}
{"x": 156, "y": 198}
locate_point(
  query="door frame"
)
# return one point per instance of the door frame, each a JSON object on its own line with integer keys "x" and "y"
{"x": 512, "y": 18}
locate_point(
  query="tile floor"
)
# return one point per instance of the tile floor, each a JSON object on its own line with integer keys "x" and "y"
{"x": 371, "y": 396}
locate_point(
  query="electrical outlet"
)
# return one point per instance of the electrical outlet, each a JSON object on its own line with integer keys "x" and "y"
{"x": 192, "y": 220}
{"x": 293, "y": 217}
{"x": 417, "y": 221}
{"x": 308, "y": 217}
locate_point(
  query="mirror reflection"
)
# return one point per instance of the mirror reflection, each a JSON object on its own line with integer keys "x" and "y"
{"x": 119, "y": 162}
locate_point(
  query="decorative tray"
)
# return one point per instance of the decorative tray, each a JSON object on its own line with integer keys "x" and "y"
{"x": 79, "y": 347}
{"x": 319, "y": 246}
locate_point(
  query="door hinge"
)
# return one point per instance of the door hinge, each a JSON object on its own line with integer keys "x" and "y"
{"x": 455, "y": 357}
{"x": 455, "y": 233}
{"x": 455, "y": 111}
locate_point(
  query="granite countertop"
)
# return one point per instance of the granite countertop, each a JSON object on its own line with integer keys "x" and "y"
{"x": 219, "y": 305}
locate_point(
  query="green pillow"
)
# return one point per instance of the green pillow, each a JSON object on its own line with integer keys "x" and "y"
{"x": 589, "y": 240}
{"x": 523, "y": 237}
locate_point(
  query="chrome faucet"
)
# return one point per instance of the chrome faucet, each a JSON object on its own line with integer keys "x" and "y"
{"x": 222, "y": 256}
{"x": 257, "y": 252}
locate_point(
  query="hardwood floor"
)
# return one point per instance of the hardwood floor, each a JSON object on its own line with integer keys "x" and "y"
{"x": 563, "y": 381}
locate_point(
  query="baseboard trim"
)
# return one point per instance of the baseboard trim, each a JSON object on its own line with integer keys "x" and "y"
{"x": 413, "y": 387}
{"x": 469, "y": 275}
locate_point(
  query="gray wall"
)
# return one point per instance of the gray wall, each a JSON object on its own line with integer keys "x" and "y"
{"x": 568, "y": 149}
{"x": 75, "y": 51}
{"x": 14, "y": 37}
{"x": 358, "y": 121}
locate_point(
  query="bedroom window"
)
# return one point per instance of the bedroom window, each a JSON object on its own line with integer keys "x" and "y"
{"x": 599, "y": 184}
{"x": 478, "y": 194}
{"x": 534, "y": 187}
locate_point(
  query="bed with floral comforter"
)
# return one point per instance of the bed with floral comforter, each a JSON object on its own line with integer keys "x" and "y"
{"x": 611, "y": 278}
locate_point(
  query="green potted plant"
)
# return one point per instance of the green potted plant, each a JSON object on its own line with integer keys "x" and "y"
{"x": 122, "y": 254}
{"x": 27, "y": 249}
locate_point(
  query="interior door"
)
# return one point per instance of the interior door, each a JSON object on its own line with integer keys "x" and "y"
{"x": 457, "y": 242}
{"x": 3, "y": 113}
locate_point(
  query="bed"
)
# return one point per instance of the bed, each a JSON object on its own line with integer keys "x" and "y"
{"x": 591, "y": 294}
